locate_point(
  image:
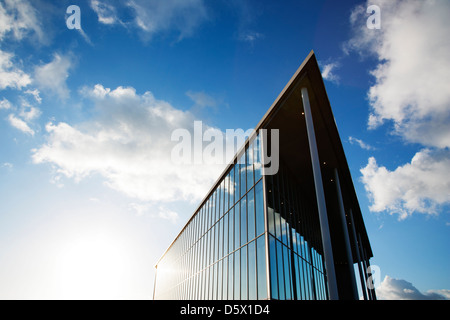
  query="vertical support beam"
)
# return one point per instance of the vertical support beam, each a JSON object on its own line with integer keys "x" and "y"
{"x": 358, "y": 257}
{"x": 154, "y": 282}
{"x": 346, "y": 236}
{"x": 262, "y": 151}
{"x": 320, "y": 196}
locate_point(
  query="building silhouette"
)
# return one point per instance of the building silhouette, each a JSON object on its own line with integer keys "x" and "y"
{"x": 294, "y": 234}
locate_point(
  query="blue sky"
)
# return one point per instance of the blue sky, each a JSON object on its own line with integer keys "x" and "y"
{"x": 89, "y": 198}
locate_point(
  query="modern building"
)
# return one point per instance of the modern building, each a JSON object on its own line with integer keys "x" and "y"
{"x": 297, "y": 233}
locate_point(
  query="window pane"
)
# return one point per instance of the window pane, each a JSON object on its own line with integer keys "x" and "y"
{"x": 261, "y": 267}
{"x": 257, "y": 158}
{"x": 249, "y": 166}
{"x": 252, "y": 271}
{"x": 232, "y": 186}
{"x": 242, "y": 178}
{"x": 244, "y": 284}
{"x": 225, "y": 279}
{"x": 278, "y": 233}
{"x": 273, "y": 267}
{"x": 230, "y": 276}
{"x": 281, "y": 282}
{"x": 225, "y": 235}
{"x": 237, "y": 220}
{"x": 220, "y": 236}
{"x": 287, "y": 272}
{"x": 231, "y": 228}
{"x": 243, "y": 221}
{"x": 227, "y": 192}
{"x": 259, "y": 206}
{"x": 251, "y": 214}
{"x": 237, "y": 275}
{"x": 219, "y": 279}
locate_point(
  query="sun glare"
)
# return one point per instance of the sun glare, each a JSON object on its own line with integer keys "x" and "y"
{"x": 91, "y": 267}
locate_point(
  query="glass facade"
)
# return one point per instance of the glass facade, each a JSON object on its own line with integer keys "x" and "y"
{"x": 296, "y": 263}
{"x": 222, "y": 251}
{"x": 258, "y": 236}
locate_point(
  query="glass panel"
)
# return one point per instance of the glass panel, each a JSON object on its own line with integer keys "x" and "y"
{"x": 251, "y": 214}
{"x": 220, "y": 200}
{"x": 252, "y": 271}
{"x": 242, "y": 178}
{"x": 220, "y": 236}
{"x": 214, "y": 281}
{"x": 231, "y": 230}
{"x": 287, "y": 273}
{"x": 259, "y": 206}
{"x": 271, "y": 219}
{"x": 249, "y": 166}
{"x": 226, "y": 192}
{"x": 257, "y": 159}
{"x": 283, "y": 230}
{"x": 225, "y": 235}
{"x": 237, "y": 180}
{"x": 237, "y": 221}
{"x": 232, "y": 189}
{"x": 277, "y": 218}
{"x": 273, "y": 267}
{"x": 281, "y": 282}
{"x": 244, "y": 284}
{"x": 243, "y": 221}
{"x": 261, "y": 267}
{"x": 219, "y": 280}
{"x": 237, "y": 276}
{"x": 225, "y": 279}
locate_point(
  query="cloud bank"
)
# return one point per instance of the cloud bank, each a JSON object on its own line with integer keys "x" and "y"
{"x": 411, "y": 92}
{"x": 129, "y": 144}
{"x": 398, "y": 289}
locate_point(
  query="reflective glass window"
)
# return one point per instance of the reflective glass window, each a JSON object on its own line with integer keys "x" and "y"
{"x": 280, "y": 268}
{"x": 251, "y": 214}
{"x": 232, "y": 186}
{"x": 243, "y": 221}
{"x": 220, "y": 236}
{"x": 259, "y": 208}
{"x": 225, "y": 234}
{"x": 237, "y": 275}
{"x": 261, "y": 267}
{"x": 230, "y": 276}
{"x": 231, "y": 229}
{"x": 249, "y": 166}
{"x": 225, "y": 279}
{"x": 244, "y": 276}
{"x": 237, "y": 221}
{"x": 242, "y": 174}
{"x": 257, "y": 165}
{"x": 273, "y": 267}
{"x": 252, "y": 273}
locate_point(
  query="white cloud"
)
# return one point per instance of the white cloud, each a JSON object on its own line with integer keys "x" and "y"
{"x": 129, "y": 145}
{"x": 20, "y": 124}
{"x": 106, "y": 13}
{"x": 154, "y": 16}
{"x": 360, "y": 143}
{"x": 250, "y": 36}
{"x": 5, "y": 104}
{"x": 419, "y": 186}
{"x": 413, "y": 74}
{"x": 10, "y": 75}
{"x": 35, "y": 94}
{"x": 202, "y": 100}
{"x": 19, "y": 18}
{"x": 398, "y": 289}
{"x": 411, "y": 91}
{"x": 328, "y": 72}
{"x": 51, "y": 77}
